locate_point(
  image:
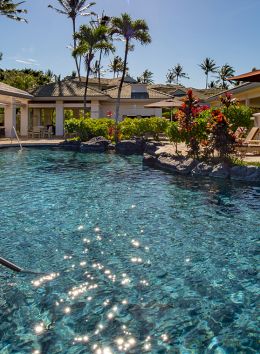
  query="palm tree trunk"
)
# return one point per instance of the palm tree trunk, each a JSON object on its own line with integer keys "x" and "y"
{"x": 86, "y": 87}
{"x": 75, "y": 45}
{"x": 121, "y": 82}
{"x": 99, "y": 66}
{"x": 207, "y": 78}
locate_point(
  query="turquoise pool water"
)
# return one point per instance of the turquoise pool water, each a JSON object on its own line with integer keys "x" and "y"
{"x": 137, "y": 260}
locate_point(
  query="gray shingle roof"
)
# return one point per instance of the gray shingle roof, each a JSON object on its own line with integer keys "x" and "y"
{"x": 127, "y": 92}
{"x": 8, "y": 90}
{"x": 66, "y": 88}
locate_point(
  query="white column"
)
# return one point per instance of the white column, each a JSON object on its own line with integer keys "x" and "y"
{"x": 256, "y": 119}
{"x": 95, "y": 109}
{"x": 10, "y": 119}
{"x": 24, "y": 120}
{"x": 59, "y": 118}
{"x": 247, "y": 102}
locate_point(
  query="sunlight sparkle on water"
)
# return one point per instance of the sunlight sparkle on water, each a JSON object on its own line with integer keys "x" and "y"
{"x": 135, "y": 243}
{"x": 124, "y": 344}
{"x": 39, "y": 328}
{"x": 84, "y": 339}
{"x": 67, "y": 310}
{"x": 45, "y": 279}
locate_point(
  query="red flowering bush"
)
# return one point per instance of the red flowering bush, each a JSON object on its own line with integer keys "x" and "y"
{"x": 227, "y": 100}
{"x": 189, "y": 125}
{"x": 221, "y": 137}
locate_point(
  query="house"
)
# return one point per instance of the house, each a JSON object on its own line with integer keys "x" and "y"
{"x": 48, "y": 104}
{"x": 248, "y": 94}
{"x": 12, "y": 99}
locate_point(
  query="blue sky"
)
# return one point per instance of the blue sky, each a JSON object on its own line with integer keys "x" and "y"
{"x": 183, "y": 31}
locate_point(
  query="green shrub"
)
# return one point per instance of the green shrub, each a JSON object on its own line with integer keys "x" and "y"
{"x": 89, "y": 128}
{"x": 142, "y": 127}
{"x": 174, "y": 133}
{"x": 238, "y": 116}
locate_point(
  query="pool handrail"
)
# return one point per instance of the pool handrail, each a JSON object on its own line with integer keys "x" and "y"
{"x": 16, "y": 135}
{"x": 10, "y": 265}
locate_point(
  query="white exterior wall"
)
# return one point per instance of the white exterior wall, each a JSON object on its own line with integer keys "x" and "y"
{"x": 24, "y": 120}
{"x": 59, "y": 118}
{"x": 131, "y": 109}
{"x": 95, "y": 109}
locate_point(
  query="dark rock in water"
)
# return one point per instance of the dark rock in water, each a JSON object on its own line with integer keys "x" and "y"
{"x": 245, "y": 173}
{"x": 73, "y": 145}
{"x": 149, "y": 160}
{"x": 151, "y": 147}
{"x": 253, "y": 174}
{"x": 168, "y": 163}
{"x": 129, "y": 147}
{"x": 186, "y": 166}
{"x": 238, "y": 173}
{"x": 98, "y": 144}
{"x": 220, "y": 171}
{"x": 202, "y": 169}
{"x": 111, "y": 147}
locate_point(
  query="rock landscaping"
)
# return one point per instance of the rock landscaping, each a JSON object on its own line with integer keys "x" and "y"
{"x": 164, "y": 157}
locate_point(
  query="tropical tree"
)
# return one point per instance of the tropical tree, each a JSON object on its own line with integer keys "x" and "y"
{"x": 129, "y": 30}
{"x": 146, "y": 77}
{"x": 91, "y": 39}
{"x": 170, "y": 77}
{"x": 213, "y": 85}
{"x": 72, "y": 9}
{"x": 116, "y": 66}
{"x": 1, "y": 56}
{"x": 224, "y": 72}
{"x": 208, "y": 66}
{"x": 25, "y": 79}
{"x": 178, "y": 72}
{"x": 11, "y": 10}
{"x": 95, "y": 69}
{"x": 101, "y": 20}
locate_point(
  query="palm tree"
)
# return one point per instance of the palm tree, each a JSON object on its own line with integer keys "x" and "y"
{"x": 208, "y": 66}
{"x": 101, "y": 20}
{"x": 50, "y": 75}
{"x": 128, "y": 30}
{"x": 170, "y": 77}
{"x": 91, "y": 39}
{"x": 72, "y": 9}
{"x": 1, "y": 56}
{"x": 224, "y": 72}
{"x": 116, "y": 66}
{"x": 146, "y": 77}
{"x": 178, "y": 72}
{"x": 94, "y": 69}
{"x": 11, "y": 10}
{"x": 213, "y": 85}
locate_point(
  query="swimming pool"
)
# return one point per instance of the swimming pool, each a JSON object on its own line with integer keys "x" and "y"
{"x": 140, "y": 261}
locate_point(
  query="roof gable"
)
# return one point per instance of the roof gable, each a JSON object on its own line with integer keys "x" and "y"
{"x": 8, "y": 90}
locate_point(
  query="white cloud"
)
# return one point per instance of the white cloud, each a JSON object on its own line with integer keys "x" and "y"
{"x": 27, "y": 61}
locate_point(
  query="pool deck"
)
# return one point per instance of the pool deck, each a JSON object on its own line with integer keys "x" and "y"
{"x": 29, "y": 142}
{"x": 6, "y": 142}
